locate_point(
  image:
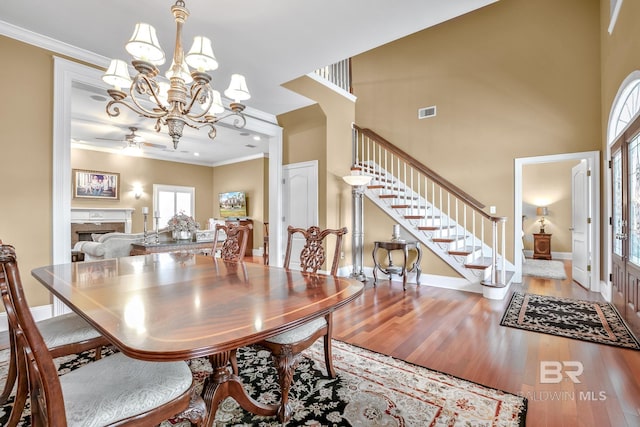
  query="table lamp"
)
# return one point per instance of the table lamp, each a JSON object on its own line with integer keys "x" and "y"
{"x": 542, "y": 211}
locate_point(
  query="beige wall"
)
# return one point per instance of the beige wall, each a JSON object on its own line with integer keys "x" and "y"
{"x": 249, "y": 177}
{"x": 548, "y": 184}
{"x": 26, "y": 123}
{"x": 146, "y": 172}
{"x": 619, "y": 53}
{"x": 514, "y": 79}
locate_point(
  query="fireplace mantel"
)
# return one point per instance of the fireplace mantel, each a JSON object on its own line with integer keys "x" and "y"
{"x": 102, "y": 215}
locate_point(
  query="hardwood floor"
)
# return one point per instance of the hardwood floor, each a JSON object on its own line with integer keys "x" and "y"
{"x": 459, "y": 333}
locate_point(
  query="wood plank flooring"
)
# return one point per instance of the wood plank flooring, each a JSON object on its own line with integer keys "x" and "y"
{"x": 459, "y": 333}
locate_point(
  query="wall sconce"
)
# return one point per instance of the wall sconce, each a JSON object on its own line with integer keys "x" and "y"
{"x": 137, "y": 191}
{"x": 542, "y": 211}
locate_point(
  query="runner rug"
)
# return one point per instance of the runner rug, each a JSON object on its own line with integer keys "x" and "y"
{"x": 370, "y": 390}
{"x": 597, "y": 322}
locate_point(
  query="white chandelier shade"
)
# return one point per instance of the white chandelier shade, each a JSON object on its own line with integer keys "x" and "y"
{"x": 237, "y": 89}
{"x": 174, "y": 101}
{"x": 201, "y": 55}
{"x": 144, "y": 44}
{"x": 117, "y": 74}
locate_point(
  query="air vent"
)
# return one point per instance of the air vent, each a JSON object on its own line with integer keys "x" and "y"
{"x": 426, "y": 112}
{"x": 250, "y": 146}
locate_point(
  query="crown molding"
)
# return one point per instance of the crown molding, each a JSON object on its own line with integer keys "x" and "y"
{"x": 53, "y": 45}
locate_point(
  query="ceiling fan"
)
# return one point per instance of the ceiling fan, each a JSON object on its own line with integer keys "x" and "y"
{"x": 133, "y": 140}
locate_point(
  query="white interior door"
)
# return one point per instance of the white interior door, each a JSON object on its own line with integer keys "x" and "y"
{"x": 580, "y": 225}
{"x": 300, "y": 203}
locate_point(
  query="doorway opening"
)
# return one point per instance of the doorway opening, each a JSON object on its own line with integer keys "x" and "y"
{"x": 591, "y": 159}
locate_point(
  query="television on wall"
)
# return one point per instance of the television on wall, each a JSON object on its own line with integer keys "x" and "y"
{"x": 233, "y": 204}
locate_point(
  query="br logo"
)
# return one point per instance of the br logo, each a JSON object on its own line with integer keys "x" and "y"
{"x": 553, "y": 371}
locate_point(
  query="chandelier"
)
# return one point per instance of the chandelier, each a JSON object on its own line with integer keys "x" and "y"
{"x": 184, "y": 97}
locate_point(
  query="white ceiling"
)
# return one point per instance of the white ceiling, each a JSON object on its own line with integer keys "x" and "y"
{"x": 270, "y": 42}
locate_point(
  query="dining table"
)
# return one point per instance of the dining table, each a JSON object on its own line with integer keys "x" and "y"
{"x": 179, "y": 306}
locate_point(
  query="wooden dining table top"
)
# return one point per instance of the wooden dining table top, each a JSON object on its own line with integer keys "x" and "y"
{"x": 171, "y": 306}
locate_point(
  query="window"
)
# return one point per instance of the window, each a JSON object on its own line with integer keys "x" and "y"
{"x": 626, "y": 107}
{"x": 169, "y": 200}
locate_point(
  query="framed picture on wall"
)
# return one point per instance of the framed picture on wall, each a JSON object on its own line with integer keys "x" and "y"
{"x": 89, "y": 184}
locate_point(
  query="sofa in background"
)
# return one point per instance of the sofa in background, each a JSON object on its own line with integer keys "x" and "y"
{"x": 108, "y": 245}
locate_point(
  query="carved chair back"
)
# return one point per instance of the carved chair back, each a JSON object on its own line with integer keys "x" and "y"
{"x": 234, "y": 246}
{"x": 313, "y": 254}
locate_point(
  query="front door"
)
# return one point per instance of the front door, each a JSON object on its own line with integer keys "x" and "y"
{"x": 625, "y": 221}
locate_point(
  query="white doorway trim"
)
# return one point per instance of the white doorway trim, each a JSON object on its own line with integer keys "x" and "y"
{"x": 593, "y": 161}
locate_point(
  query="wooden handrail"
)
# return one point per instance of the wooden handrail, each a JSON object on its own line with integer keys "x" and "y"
{"x": 421, "y": 167}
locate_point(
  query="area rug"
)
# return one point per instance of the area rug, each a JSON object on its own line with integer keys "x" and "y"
{"x": 597, "y": 322}
{"x": 544, "y": 268}
{"x": 371, "y": 389}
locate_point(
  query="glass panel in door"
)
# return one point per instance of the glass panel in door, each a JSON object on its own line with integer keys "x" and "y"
{"x": 634, "y": 201}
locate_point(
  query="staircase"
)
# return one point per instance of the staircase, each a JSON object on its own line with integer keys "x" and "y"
{"x": 446, "y": 220}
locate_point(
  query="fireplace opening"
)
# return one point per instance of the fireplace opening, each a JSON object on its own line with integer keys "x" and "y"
{"x": 83, "y": 231}
{"x": 86, "y": 235}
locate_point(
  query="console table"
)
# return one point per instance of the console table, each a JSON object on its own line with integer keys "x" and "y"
{"x": 204, "y": 248}
{"x": 401, "y": 270}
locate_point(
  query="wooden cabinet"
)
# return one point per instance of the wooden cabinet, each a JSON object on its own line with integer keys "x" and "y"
{"x": 249, "y": 250}
{"x": 542, "y": 246}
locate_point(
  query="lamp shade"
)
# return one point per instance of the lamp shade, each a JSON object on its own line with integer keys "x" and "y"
{"x": 216, "y": 104}
{"x": 542, "y": 211}
{"x": 117, "y": 74}
{"x": 201, "y": 55}
{"x": 144, "y": 44}
{"x": 355, "y": 180}
{"x": 237, "y": 89}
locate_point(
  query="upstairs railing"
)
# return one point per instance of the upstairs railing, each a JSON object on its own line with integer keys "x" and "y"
{"x": 430, "y": 201}
{"x": 339, "y": 74}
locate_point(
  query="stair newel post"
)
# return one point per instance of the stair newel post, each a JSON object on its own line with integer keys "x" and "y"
{"x": 494, "y": 251}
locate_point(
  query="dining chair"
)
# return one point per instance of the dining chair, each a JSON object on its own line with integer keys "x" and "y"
{"x": 234, "y": 246}
{"x": 113, "y": 390}
{"x": 287, "y": 346}
{"x": 63, "y": 335}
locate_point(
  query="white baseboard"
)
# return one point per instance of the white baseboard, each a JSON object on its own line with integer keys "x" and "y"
{"x": 39, "y": 313}
{"x": 446, "y": 282}
{"x": 258, "y": 252}
{"x": 554, "y": 255}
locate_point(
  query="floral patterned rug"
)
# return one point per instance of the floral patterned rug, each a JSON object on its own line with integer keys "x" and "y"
{"x": 592, "y": 321}
{"x": 371, "y": 390}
